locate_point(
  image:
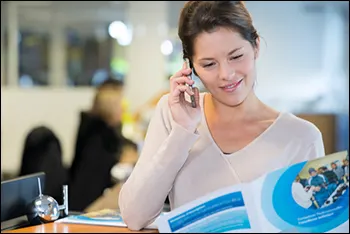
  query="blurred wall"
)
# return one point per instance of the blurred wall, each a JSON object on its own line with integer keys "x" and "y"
{"x": 303, "y": 62}
{"x": 22, "y": 110}
{"x": 303, "y": 68}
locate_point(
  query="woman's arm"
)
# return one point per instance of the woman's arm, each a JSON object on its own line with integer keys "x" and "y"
{"x": 165, "y": 151}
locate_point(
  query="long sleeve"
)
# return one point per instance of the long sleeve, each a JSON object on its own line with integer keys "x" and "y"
{"x": 165, "y": 151}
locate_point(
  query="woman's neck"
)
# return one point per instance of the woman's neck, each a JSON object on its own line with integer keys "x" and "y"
{"x": 246, "y": 110}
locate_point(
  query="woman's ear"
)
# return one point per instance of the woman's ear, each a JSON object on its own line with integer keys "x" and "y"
{"x": 257, "y": 48}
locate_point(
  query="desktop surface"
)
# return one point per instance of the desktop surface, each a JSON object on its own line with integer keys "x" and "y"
{"x": 75, "y": 228}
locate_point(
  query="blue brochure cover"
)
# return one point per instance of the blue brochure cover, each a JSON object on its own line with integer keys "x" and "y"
{"x": 308, "y": 197}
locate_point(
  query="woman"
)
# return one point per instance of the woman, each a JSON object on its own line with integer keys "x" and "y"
{"x": 99, "y": 146}
{"x": 230, "y": 137}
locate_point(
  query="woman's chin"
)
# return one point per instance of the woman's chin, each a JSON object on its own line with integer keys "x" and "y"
{"x": 231, "y": 101}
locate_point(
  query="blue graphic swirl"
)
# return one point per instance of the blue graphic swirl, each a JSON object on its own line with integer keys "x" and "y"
{"x": 284, "y": 213}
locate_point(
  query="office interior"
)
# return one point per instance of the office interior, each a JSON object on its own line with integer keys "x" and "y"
{"x": 55, "y": 54}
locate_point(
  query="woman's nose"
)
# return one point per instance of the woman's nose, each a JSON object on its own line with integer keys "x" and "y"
{"x": 228, "y": 74}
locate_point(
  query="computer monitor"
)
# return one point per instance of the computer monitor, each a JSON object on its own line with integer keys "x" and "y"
{"x": 17, "y": 194}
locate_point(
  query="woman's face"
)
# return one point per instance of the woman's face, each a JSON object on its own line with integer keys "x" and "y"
{"x": 117, "y": 110}
{"x": 225, "y": 63}
{"x": 110, "y": 104}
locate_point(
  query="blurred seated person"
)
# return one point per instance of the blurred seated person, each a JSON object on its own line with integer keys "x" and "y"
{"x": 99, "y": 146}
{"x": 339, "y": 171}
{"x": 303, "y": 181}
{"x": 321, "y": 190}
{"x": 346, "y": 169}
{"x": 330, "y": 175}
{"x": 316, "y": 179}
{"x": 120, "y": 173}
{"x": 302, "y": 195}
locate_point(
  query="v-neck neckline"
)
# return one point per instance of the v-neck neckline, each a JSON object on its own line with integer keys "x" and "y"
{"x": 250, "y": 144}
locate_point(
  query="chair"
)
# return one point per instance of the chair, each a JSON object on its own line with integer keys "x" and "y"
{"x": 42, "y": 153}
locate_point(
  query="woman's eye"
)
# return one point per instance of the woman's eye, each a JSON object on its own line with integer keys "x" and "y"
{"x": 208, "y": 65}
{"x": 236, "y": 57}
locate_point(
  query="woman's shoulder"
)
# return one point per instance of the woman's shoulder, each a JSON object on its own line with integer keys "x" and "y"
{"x": 299, "y": 127}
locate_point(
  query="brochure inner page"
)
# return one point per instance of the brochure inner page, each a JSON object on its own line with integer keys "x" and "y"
{"x": 226, "y": 210}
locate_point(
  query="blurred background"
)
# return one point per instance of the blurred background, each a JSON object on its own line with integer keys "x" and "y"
{"x": 55, "y": 54}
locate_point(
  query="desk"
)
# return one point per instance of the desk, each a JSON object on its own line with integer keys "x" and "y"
{"x": 74, "y": 228}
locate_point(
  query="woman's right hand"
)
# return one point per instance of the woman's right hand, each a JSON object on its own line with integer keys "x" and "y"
{"x": 182, "y": 111}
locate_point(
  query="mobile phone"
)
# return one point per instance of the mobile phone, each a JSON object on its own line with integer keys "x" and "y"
{"x": 193, "y": 99}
